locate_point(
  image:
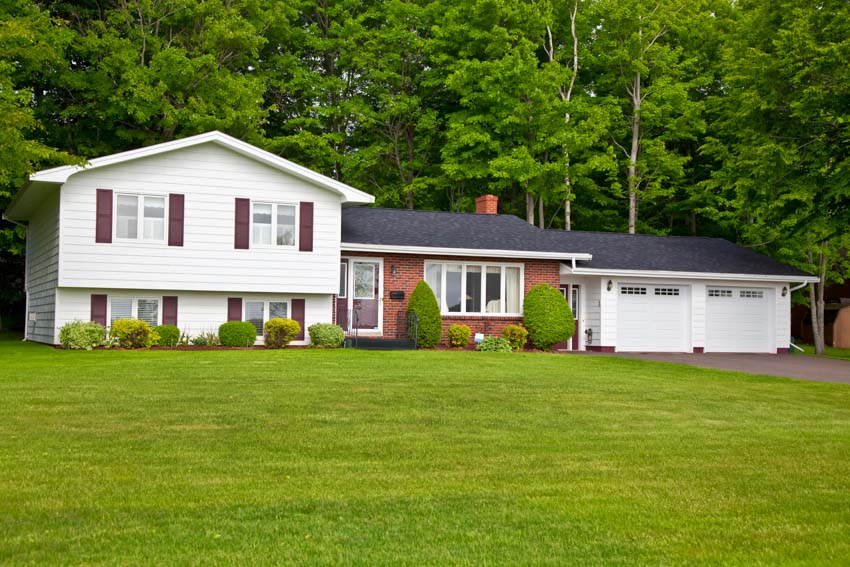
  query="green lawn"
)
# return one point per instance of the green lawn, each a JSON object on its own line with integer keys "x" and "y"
{"x": 831, "y": 352}
{"x": 354, "y": 457}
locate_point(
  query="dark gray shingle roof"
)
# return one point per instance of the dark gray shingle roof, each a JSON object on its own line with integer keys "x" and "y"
{"x": 610, "y": 250}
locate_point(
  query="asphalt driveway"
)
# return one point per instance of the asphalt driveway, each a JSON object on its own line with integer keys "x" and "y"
{"x": 785, "y": 365}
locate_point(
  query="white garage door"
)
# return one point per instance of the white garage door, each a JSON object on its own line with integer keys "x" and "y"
{"x": 652, "y": 318}
{"x": 738, "y": 320}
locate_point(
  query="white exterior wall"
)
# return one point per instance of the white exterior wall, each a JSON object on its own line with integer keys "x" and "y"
{"x": 697, "y": 292}
{"x": 211, "y": 178}
{"x": 197, "y": 312}
{"x": 42, "y": 270}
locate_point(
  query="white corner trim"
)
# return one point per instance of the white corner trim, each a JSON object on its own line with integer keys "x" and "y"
{"x": 474, "y": 252}
{"x": 349, "y": 194}
{"x": 567, "y": 270}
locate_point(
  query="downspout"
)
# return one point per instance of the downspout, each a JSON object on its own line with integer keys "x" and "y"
{"x": 27, "y": 302}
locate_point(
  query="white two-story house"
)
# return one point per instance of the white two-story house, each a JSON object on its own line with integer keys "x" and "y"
{"x": 207, "y": 229}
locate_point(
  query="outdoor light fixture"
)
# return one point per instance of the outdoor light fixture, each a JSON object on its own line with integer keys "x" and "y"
{"x": 393, "y": 270}
{"x": 610, "y": 285}
{"x": 784, "y": 290}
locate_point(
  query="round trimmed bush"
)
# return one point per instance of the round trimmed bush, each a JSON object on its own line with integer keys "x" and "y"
{"x": 326, "y": 335}
{"x": 424, "y": 304}
{"x": 547, "y": 316}
{"x": 237, "y": 333}
{"x": 132, "y": 333}
{"x": 279, "y": 332}
{"x": 458, "y": 335}
{"x": 517, "y": 335}
{"x": 494, "y": 344}
{"x": 169, "y": 335}
{"x": 82, "y": 335}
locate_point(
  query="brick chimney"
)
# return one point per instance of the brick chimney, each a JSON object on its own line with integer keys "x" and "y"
{"x": 487, "y": 205}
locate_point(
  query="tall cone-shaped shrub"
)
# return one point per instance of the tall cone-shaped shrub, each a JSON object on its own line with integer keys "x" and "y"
{"x": 424, "y": 304}
{"x": 547, "y": 316}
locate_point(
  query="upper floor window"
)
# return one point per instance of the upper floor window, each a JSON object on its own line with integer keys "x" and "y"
{"x": 140, "y": 217}
{"x": 273, "y": 224}
{"x": 476, "y": 288}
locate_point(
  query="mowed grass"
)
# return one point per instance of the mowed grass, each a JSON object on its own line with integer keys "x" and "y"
{"x": 829, "y": 352}
{"x": 354, "y": 457}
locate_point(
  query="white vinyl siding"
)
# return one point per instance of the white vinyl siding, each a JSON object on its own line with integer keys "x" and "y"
{"x": 42, "y": 270}
{"x": 211, "y": 178}
{"x": 476, "y": 288}
{"x": 199, "y": 312}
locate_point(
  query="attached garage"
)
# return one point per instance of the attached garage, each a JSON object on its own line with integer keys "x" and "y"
{"x": 739, "y": 319}
{"x": 653, "y": 318}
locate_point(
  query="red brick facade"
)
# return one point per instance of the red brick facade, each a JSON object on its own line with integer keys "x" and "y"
{"x": 410, "y": 270}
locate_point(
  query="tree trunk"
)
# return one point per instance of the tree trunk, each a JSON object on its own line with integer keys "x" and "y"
{"x": 529, "y": 207}
{"x": 540, "y": 221}
{"x": 634, "y": 153}
{"x": 817, "y": 303}
{"x": 568, "y": 214}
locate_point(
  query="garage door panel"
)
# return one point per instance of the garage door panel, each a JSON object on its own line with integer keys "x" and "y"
{"x": 739, "y": 320}
{"x": 652, "y": 318}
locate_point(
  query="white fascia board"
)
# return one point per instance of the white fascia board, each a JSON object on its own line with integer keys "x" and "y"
{"x": 567, "y": 270}
{"x": 435, "y": 251}
{"x": 349, "y": 194}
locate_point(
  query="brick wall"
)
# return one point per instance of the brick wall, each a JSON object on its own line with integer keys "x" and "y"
{"x": 411, "y": 269}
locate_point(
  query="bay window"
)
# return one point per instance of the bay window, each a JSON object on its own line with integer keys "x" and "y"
{"x": 272, "y": 224}
{"x": 475, "y": 288}
{"x": 140, "y": 217}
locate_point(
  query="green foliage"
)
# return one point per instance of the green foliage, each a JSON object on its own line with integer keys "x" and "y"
{"x": 132, "y": 333}
{"x": 237, "y": 334}
{"x": 424, "y": 304}
{"x": 82, "y": 335}
{"x": 169, "y": 335}
{"x": 494, "y": 344}
{"x": 206, "y": 339}
{"x": 547, "y": 316}
{"x": 458, "y": 335}
{"x": 278, "y": 332}
{"x": 326, "y": 335}
{"x": 516, "y": 335}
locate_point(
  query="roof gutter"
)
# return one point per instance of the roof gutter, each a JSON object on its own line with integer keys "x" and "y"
{"x": 475, "y": 252}
{"x": 688, "y": 275}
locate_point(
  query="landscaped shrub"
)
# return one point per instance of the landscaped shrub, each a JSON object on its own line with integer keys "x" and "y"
{"x": 82, "y": 335}
{"x": 494, "y": 344}
{"x": 278, "y": 332}
{"x": 132, "y": 333}
{"x": 458, "y": 335}
{"x": 326, "y": 335}
{"x": 424, "y": 304}
{"x": 169, "y": 335}
{"x": 517, "y": 335}
{"x": 237, "y": 333}
{"x": 547, "y": 316}
{"x": 206, "y": 339}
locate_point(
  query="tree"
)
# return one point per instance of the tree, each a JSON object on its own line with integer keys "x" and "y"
{"x": 424, "y": 304}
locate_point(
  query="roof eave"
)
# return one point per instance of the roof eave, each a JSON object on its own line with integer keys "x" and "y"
{"x": 568, "y": 270}
{"x": 475, "y": 252}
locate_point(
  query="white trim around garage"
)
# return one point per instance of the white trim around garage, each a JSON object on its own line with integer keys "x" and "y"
{"x": 568, "y": 271}
{"x": 474, "y": 252}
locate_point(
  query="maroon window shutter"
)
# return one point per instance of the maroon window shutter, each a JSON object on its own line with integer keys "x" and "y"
{"x": 234, "y": 308}
{"x": 169, "y": 309}
{"x": 298, "y": 315}
{"x": 305, "y": 228}
{"x": 98, "y": 309}
{"x": 243, "y": 223}
{"x": 175, "y": 219}
{"x": 103, "y": 230}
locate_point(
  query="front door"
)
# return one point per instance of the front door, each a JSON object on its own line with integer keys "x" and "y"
{"x": 365, "y": 292}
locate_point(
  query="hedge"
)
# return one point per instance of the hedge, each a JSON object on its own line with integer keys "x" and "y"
{"x": 547, "y": 316}
{"x": 424, "y": 304}
{"x": 237, "y": 333}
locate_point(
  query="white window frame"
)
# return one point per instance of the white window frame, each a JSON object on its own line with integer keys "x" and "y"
{"x": 140, "y": 217}
{"x": 444, "y": 311}
{"x": 344, "y": 288}
{"x": 134, "y": 306}
{"x": 266, "y": 306}
{"x": 274, "y": 244}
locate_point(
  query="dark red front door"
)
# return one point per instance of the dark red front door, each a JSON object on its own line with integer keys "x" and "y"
{"x": 366, "y": 294}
